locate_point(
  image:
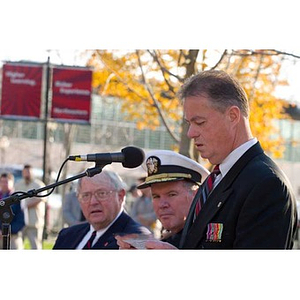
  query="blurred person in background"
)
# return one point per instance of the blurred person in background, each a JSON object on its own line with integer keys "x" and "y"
{"x": 71, "y": 210}
{"x": 132, "y": 194}
{"x": 18, "y": 223}
{"x": 34, "y": 208}
{"x": 143, "y": 212}
{"x": 101, "y": 199}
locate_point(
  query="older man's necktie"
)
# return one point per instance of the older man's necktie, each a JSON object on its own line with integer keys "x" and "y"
{"x": 89, "y": 243}
{"x": 206, "y": 188}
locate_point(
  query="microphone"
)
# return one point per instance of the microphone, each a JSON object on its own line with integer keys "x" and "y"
{"x": 130, "y": 157}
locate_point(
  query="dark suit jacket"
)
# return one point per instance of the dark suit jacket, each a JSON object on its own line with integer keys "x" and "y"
{"x": 173, "y": 239}
{"x": 253, "y": 207}
{"x": 70, "y": 237}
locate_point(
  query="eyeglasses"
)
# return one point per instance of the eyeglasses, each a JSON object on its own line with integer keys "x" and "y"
{"x": 100, "y": 195}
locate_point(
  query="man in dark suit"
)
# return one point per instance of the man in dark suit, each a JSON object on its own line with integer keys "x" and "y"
{"x": 250, "y": 204}
{"x": 101, "y": 199}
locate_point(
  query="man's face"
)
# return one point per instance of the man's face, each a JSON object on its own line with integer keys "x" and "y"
{"x": 171, "y": 203}
{"x": 5, "y": 184}
{"x": 213, "y": 132}
{"x": 27, "y": 175}
{"x": 100, "y": 213}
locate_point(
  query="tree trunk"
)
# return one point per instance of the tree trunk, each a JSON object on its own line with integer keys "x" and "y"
{"x": 185, "y": 142}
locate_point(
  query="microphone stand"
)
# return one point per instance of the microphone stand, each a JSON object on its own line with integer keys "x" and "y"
{"x": 6, "y": 214}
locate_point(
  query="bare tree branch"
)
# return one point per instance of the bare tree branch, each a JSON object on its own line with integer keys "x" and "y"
{"x": 163, "y": 69}
{"x": 264, "y": 51}
{"x": 156, "y": 104}
{"x": 220, "y": 60}
{"x": 287, "y": 54}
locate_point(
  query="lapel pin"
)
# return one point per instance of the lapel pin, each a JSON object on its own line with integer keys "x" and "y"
{"x": 219, "y": 204}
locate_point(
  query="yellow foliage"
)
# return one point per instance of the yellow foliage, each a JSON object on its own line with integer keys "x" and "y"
{"x": 258, "y": 75}
{"x": 146, "y": 82}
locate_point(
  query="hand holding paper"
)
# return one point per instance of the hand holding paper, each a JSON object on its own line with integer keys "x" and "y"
{"x": 141, "y": 241}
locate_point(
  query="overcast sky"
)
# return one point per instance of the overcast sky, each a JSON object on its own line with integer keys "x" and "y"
{"x": 64, "y": 56}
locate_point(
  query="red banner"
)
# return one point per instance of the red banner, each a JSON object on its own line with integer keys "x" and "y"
{"x": 71, "y": 98}
{"x": 21, "y": 90}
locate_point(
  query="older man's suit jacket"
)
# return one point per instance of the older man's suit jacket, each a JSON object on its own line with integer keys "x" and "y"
{"x": 70, "y": 237}
{"x": 253, "y": 207}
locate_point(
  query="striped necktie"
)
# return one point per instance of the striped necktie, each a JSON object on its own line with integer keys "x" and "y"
{"x": 89, "y": 243}
{"x": 206, "y": 189}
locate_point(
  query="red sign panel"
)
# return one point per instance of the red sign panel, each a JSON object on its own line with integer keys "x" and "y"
{"x": 71, "y": 98}
{"x": 21, "y": 90}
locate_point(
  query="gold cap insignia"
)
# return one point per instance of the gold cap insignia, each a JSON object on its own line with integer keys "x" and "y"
{"x": 152, "y": 164}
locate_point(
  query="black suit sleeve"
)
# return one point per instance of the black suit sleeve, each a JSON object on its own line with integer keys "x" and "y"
{"x": 265, "y": 218}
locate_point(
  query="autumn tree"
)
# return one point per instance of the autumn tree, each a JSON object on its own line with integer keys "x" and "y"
{"x": 258, "y": 71}
{"x": 147, "y": 81}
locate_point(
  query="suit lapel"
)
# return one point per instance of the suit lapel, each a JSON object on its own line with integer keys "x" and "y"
{"x": 107, "y": 238}
{"x": 208, "y": 211}
{"x": 217, "y": 199}
{"x": 79, "y": 236}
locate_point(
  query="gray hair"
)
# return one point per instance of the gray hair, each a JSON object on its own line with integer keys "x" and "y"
{"x": 190, "y": 185}
{"x": 222, "y": 90}
{"x": 116, "y": 181}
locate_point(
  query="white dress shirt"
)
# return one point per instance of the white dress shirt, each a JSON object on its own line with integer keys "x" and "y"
{"x": 98, "y": 234}
{"x": 232, "y": 158}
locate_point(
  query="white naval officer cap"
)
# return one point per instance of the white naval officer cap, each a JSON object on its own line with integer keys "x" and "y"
{"x": 166, "y": 165}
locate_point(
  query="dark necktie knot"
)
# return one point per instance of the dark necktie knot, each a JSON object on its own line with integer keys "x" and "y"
{"x": 216, "y": 170}
{"x": 89, "y": 243}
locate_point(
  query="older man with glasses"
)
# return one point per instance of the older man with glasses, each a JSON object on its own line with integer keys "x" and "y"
{"x": 101, "y": 198}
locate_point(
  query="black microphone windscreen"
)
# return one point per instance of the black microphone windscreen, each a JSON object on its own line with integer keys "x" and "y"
{"x": 134, "y": 157}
